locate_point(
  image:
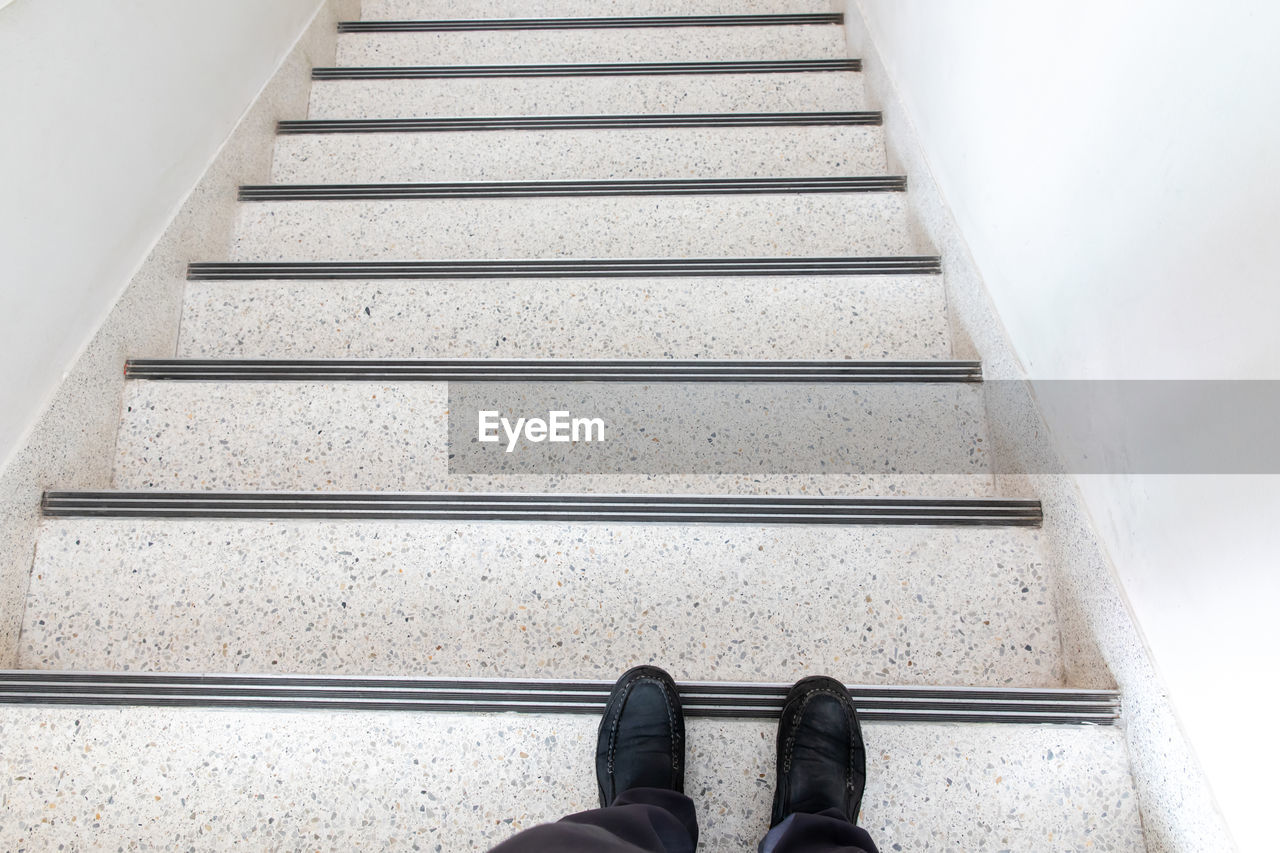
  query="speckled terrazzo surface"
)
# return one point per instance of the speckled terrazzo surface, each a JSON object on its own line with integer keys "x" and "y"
{"x": 925, "y": 439}
{"x": 634, "y": 154}
{"x": 902, "y": 605}
{"x": 889, "y": 605}
{"x": 810, "y": 225}
{"x": 711, "y": 93}
{"x": 804, "y": 317}
{"x": 536, "y": 47}
{"x": 127, "y": 778}
{"x": 417, "y": 10}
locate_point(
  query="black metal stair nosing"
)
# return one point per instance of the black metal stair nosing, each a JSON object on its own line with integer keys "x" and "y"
{"x": 690, "y": 688}
{"x": 571, "y": 268}
{"x": 557, "y": 508}
{"x": 618, "y": 69}
{"x": 582, "y": 122}
{"x": 875, "y": 703}
{"x": 563, "y": 189}
{"x": 641, "y": 371}
{"x": 590, "y": 23}
{"x": 523, "y": 498}
{"x": 759, "y": 520}
{"x": 584, "y": 363}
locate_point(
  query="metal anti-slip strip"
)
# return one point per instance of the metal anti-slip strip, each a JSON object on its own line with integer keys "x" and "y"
{"x": 587, "y": 23}
{"x": 616, "y": 69}
{"x": 549, "y": 189}
{"x": 560, "y": 268}
{"x": 558, "y": 370}
{"x": 456, "y": 123}
{"x": 875, "y": 703}
{"x": 453, "y": 506}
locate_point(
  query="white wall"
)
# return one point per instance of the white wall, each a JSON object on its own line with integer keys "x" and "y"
{"x": 111, "y": 113}
{"x": 1115, "y": 170}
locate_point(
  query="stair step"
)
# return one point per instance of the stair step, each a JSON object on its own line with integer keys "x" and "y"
{"x": 584, "y": 95}
{"x": 418, "y": 10}
{"x": 386, "y": 780}
{"x": 393, "y": 435}
{"x": 812, "y": 317}
{"x": 875, "y": 703}
{"x": 707, "y": 226}
{"x": 564, "y": 268}
{"x": 615, "y": 154}
{"x": 881, "y": 604}
{"x": 561, "y": 46}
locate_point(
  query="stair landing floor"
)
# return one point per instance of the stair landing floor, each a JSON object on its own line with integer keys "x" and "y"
{"x": 297, "y": 780}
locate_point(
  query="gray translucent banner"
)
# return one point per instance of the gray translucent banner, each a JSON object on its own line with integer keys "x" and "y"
{"x": 1108, "y": 427}
{"x": 1139, "y": 426}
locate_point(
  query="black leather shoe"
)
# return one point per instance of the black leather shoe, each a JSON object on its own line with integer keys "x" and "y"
{"x": 641, "y": 741}
{"x": 822, "y": 763}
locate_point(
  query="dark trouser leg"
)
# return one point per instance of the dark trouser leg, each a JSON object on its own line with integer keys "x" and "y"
{"x": 825, "y": 832}
{"x": 642, "y": 820}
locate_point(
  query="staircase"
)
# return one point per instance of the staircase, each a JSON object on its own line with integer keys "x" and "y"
{"x": 295, "y": 625}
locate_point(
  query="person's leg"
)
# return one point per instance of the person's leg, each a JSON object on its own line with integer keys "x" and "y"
{"x": 827, "y": 832}
{"x": 641, "y": 820}
{"x": 821, "y": 773}
{"x": 640, "y": 776}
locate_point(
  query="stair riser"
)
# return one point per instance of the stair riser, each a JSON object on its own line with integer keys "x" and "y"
{"x": 378, "y": 436}
{"x": 549, "y": 601}
{"x": 579, "y": 155}
{"x": 674, "y": 44}
{"x": 336, "y": 99}
{"x": 816, "y": 225}
{"x": 740, "y": 318}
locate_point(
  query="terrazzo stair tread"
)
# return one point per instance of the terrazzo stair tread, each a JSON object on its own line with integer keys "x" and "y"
{"x": 922, "y": 439}
{"x": 421, "y": 10}
{"x": 880, "y": 604}
{"x": 756, "y": 93}
{"x": 801, "y": 225}
{"x": 712, "y": 152}
{"x": 129, "y": 777}
{"x": 799, "y": 317}
{"x": 541, "y": 47}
